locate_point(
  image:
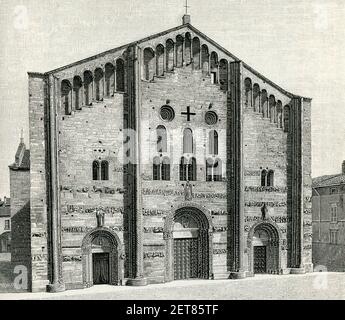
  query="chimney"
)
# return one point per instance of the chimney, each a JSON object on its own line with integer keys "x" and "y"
{"x": 186, "y": 19}
{"x": 343, "y": 167}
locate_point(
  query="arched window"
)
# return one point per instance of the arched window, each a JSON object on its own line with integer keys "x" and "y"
{"x": 95, "y": 170}
{"x": 248, "y": 91}
{"x": 77, "y": 84}
{"x": 286, "y": 118}
{"x": 214, "y": 67}
{"x": 270, "y": 178}
{"x": 188, "y": 48}
{"x": 109, "y": 79}
{"x": 188, "y": 141}
{"x": 217, "y": 170}
{"x": 209, "y": 169}
{"x": 160, "y": 60}
{"x": 120, "y": 75}
{"x": 169, "y": 55}
{"x": 192, "y": 169}
{"x": 196, "y": 53}
{"x": 166, "y": 169}
{"x": 272, "y": 108}
{"x": 149, "y": 69}
{"x": 66, "y": 96}
{"x": 264, "y": 103}
{"x": 205, "y": 59}
{"x": 88, "y": 88}
{"x": 179, "y": 51}
{"x": 104, "y": 170}
{"x": 161, "y": 139}
{"x": 213, "y": 142}
{"x": 156, "y": 168}
{"x": 183, "y": 169}
{"x": 223, "y": 74}
{"x": 256, "y": 98}
{"x": 263, "y": 178}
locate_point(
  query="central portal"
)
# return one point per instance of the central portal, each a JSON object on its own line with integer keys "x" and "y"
{"x": 190, "y": 245}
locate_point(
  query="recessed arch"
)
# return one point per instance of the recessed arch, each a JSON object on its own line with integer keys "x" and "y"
{"x": 248, "y": 89}
{"x": 223, "y": 74}
{"x": 272, "y": 108}
{"x": 66, "y": 96}
{"x": 179, "y": 50}
{"x": 99, "y": 87}
{"x": 88, "y": 87}
{"x": 102, "y": 240}
{"x": 169, "y": 54}
{"x": 149, "y": 65}
{"x": 256, "y": 98}
{"x": 196, "y": 53}
{"x": 109, "y": 79}
{"x": 77, "y": 92}
{"x": 160, "y": 60}
{"x": 265, "y": 233}
{"x": 120, "y": 75}
{"x": 264, "y": 103}
{"x": 189, "y": 217}
{"x": 205, "y": 59}
{"x": 188, "y": 48}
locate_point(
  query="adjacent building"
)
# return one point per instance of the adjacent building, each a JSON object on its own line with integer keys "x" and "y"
{"x": 166, "y": 158}
{"x": 328, "y": 205}
{"x": 5, "y": 226}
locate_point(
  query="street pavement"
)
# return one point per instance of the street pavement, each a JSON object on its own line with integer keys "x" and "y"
{"x": 323, "y": 285}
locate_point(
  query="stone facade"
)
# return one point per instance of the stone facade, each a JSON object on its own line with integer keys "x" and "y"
{"x": 328, "y": 203}
{"x": 229, "y": 170}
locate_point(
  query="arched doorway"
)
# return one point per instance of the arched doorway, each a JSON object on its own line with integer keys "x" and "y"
{"x": 264, "y": 248}
{"x": 101, "y": 258}
{"x": 188, "y": 235}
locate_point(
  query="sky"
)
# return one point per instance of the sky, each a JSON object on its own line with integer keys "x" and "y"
{"x": 298, "y": 44}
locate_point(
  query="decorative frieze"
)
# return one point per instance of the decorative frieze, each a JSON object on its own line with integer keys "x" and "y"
{"x": 220, "y": 229}
{"x": 71, "y": 208}
{"x": 153, "y": 229}
{"x": 219, "y": 212}
{"x": 39, "y": 257}
{"x": 154, "y": 254}
{"x": 71, "y": 258}
{"x": 276, "y": 219}
{"x": 154, "y": 212}
{"x": 84, "y": 229}
{"x": 93, "y": 189}
{"x": 265, "y": 189}
{"x": 198, "y": 195}
{"x": 219, "y": 251}
{"x": 268, "y": 203}
{"x": 38, "y": 235}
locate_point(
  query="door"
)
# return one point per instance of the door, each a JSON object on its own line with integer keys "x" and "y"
{"x": 260, "y": 259}
{"x": 185, "y": 258}
{"x": 100, "y": 268}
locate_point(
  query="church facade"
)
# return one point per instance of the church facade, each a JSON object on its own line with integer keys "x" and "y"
{"x": 167, "y": 158}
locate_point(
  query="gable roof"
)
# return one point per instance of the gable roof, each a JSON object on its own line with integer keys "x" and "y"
{"x": 195, "y": 30}
{"x": 328, "y": 180}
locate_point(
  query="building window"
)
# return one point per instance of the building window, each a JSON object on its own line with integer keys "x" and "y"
{"x": 166, "y": 169}
{"x": 161, "y": 139}
{"x": 188, "y": 141}
{"x": 183, "y": 169}
{"x": 192, "y": 169}
{"x": 156, "y": 168}
{"x": 213, "y": 142}
{"x": 209, "y": 169}
{"x": 7, "y": 224}
{"x": 188, "y": 169}
{"x": 334, "y": 212}
{"x": 104, "y": 170}
{"x": 95, "y": 170}
{"x": 120, "y": 75}
{"x": 100, "y": 170}
{"x": 267, "y": 178}
{"x": 333, "y": 236}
